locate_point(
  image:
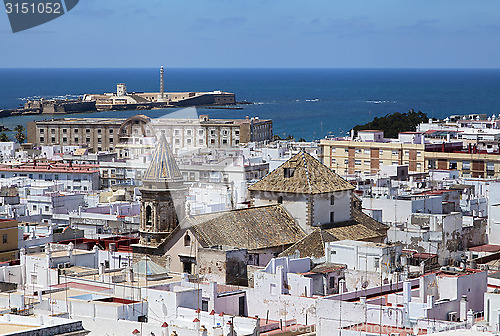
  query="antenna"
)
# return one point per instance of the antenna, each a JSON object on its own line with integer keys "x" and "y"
{"x": 162, "y": 82}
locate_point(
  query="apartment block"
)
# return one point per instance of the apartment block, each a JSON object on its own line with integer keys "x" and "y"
{"x": 108, "y": 134}
{"x": 8, "y": 240}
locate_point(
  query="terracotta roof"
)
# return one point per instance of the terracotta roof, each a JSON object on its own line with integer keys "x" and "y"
{"x": 162, "y": 167}
{"x": 369, "y": 222}
{"x": 302, "y": 174}
{"x": 485, "y": 248}
{"x": 250, "y": 228}
{"x": 361, "y": 227}
{"x": 326, "y": 268}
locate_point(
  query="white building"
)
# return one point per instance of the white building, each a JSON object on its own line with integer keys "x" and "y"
{"x": 70, "y": 176}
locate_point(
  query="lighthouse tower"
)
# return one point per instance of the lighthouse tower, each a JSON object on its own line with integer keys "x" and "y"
{"x": 162, "y": 88}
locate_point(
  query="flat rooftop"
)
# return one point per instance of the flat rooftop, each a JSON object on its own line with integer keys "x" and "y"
{"x": 8, "y": 328}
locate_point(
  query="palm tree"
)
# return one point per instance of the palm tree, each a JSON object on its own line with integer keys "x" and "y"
{"x": 20, "y": 136}
{"x": 4, "y": 137}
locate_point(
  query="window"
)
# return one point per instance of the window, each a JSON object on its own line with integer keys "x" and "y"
{"x": 453, "y": 165}
{"x": 376, "y": 263}
{"x": 53, "y": 140}
{"x": 381, "y": 152}
{"x": 76, "y": 139}
{"x": 188, "y": 132}
{"x": 87, "y": 130}
{"x": 187, "y": 240}
{"x": 46, "y": 208}
{"x": 332, "y": 282}
{"x": 99, "y": 131}
{"x": 110, "y": 131}
{"x": 332, "y": 217}
{"x": 186, "y": 266}
{"x": 41, "y": 131}
{"x": 4, "y": 238}
{"x": 42, "y": 139}
{"x": 65, "y": 130}
{"x": 346, "y": 161}
{"x": 367, "y": 152}
{"x": 224, "y": 141}
{"x": 280, "y": 199}
{"x": 177, "y": 141}
{"x": 111, "y": 140}
{"x": 288, "y": 172}
{"x": 358, "y": 151}
{"x": 65, "y": 139}
{"x": 204, "y": 305}
{"x": 56, "y": 177}
{"x": 367, "y": 162}
{"x": 490, "y": 166}
{"x": 419, "y": 154}
{"x": 358, "y": 162}
{"x": 212, "y": 132}
{"x": 395, "y": 152}
{"x": 466, "y": 165}
{"x": 332, "y": 200}
{"x": 224, "y": 132}
{"x": 200, "y": 141}
{"x": 346, "y": 150}
{"x": 176, "y": 132}
{"x": 432, "y": 164}
{"x": 149, "y": 220}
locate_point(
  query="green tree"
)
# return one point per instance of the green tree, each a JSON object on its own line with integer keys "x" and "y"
{"x": 4, "y": 138}
{"x": 394, "y": 123}
{"x": 20, "y": 136}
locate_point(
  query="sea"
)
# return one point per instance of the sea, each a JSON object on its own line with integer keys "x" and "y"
{"x": 303, "y": 103}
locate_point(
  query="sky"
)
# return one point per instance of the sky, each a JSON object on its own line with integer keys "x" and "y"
{"x": 261, "y": 34}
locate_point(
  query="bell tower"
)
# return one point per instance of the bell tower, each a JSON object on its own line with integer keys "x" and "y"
{"x": 163, "y": 196}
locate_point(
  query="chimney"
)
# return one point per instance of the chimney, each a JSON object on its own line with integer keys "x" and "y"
{"x": 430, "y": 301}
{"x": 341, "y": 286}
{"x": 130, "y": 274}
{"x": 101, "y": 272}
{"x": 463, "y": 308}
{"x": 71, "y": 254}
{"x": 406, "y": 292}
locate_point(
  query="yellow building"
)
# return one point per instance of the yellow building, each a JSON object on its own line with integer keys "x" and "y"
{"x": 351, "y": 157}
{"x": 8, "y": 240}
{"x": 365, "y": 157}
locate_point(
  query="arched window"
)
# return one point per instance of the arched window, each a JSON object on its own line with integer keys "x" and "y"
{"x": 187, "y": 240}
{"x": 149, "y": 220}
